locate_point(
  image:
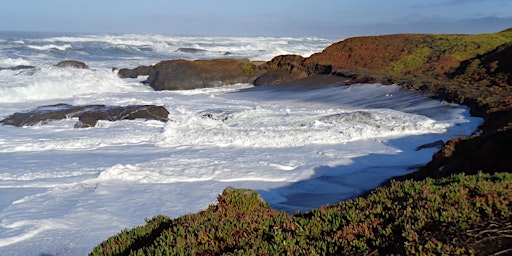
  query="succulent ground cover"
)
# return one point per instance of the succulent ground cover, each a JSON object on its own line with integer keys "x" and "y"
{"x": 458, "y": 215}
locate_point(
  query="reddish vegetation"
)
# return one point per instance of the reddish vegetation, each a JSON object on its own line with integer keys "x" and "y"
{"x": 374, "y": 53}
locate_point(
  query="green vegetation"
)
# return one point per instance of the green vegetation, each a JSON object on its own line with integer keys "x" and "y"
{"x": 249, "y": 68}
{"x": 459, "y": 215}
{"x": 436, "y": 54}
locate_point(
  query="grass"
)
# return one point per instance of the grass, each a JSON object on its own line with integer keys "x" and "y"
{"x": 459, "y": 215}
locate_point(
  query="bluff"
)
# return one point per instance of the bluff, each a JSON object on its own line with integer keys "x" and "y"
{"x": 475, "y": 70}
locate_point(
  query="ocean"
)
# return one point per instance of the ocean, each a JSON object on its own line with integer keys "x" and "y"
{"x": 63, "y": 190}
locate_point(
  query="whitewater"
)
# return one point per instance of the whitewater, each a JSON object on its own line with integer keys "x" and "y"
{"x": 64, "y": 190}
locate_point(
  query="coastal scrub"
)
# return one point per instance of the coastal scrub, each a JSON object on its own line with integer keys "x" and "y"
{"x": 459, "y": 215}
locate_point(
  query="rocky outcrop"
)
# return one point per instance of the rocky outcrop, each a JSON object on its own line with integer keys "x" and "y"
{"x": 72, "y": 64}
{"x": 190, "y": 50}
{"x": 136, "y": 72}
{"x": 184, "y": 74}
{"x": 87, "y": 115}
{"x": 408, "y": 54}
{"x": 19, "y": 67}
{"x": 286, "y": 68}
{"x": 282, "y": 69}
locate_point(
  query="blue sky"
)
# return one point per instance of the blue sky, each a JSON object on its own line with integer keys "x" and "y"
{"x": 255, "y": 17}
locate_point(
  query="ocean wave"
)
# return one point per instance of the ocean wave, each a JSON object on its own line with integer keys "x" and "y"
{"x": 9, "y": 62}
{"x": 265, "y": 127}
{"x": 50, "y": 47}
{"x": 58, "y": 83}
{"x": 256, "y": 48}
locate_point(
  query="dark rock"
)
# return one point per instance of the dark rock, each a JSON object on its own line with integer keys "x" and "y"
{"x": 87, "y": 115}
{"x": 184, "y": 74}
{"x": 216, "y": 114}
{"x": 136, "y": 72}
{"x": 72, "y": 64}
{"x": 282, "y": 69}
{"x": 276, "y": 77}
{"x": 436, "y": 144}
{"x": 190, "y": 50}
{"x": 287, "y": 68}
{"x": 19, "y": 67}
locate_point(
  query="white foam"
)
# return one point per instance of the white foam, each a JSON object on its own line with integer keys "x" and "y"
{"x": 256, "y": 48}
{"x": 265, "y": 126}
{"x": 64, "y": 190}
{"x": 60, "y": 135}
{"x": 56, "y": 83}
{"x": 50, "y": 47}
{"x": 27, "y": 229}
{"x": 9, "y": 62}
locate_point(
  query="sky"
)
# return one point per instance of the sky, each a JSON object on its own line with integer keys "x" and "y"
{"x": 256, "y": 17}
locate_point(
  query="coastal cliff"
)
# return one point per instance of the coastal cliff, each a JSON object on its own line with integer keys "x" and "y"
{"x": 459, "y": 214}
{"x": 473, "y": 70}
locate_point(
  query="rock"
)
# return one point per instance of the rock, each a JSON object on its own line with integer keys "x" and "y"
{"x": 136, "y": 72}
{"x": 287, "y": 68}
{"x": 216, "y": 114}
{"x": 184, "y": 74}
{"x": 436, "y": 144}
{"x": 282, "y": 69}
{"x": 19, "y": 67}
{"x": 90, "y": 116}
{"x": 87, "y": 115}
{"x": 190, "y": 50}
{"x": 72, "y": 64}
{"x": 276, "y": 77}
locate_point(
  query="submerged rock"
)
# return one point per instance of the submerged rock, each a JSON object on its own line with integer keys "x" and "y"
{"x": 216, "y": 114}
{"x": 190, "y": 50}
{"x": 19, "y": 67}
{"x": 87, "y": 115}
{"x": 436, "y": 144}
{"x": 136, "y": 72}
{"x": 72, "y": 64}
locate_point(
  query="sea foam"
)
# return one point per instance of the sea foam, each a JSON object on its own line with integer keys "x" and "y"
{"x": 54, "y": 83}
{"x": 64, "y": 190}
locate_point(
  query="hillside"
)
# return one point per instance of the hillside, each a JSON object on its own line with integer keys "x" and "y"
{"x": 409, "y": 54}
{"x": 406, "y": 218}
